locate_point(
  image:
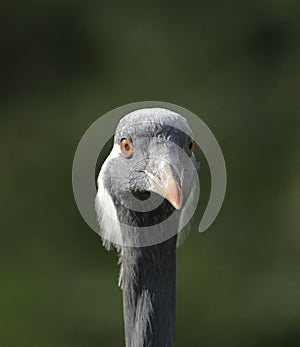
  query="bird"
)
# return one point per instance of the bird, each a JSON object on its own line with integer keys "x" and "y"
{"x": 143, "y": 191}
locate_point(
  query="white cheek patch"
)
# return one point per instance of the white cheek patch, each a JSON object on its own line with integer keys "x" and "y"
{"x": 106, "y": 211}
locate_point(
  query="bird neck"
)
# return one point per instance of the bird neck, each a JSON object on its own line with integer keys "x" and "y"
{"x": 148, "y": 278}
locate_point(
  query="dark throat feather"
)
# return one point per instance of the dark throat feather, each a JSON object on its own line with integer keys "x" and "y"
{"x": 149, "y": 287}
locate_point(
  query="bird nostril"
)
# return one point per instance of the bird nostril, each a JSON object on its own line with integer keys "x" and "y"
{"x": 141, "y": 194}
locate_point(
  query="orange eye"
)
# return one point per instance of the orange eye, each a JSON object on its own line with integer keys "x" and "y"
{"x": 191, "y": 146}
{"x": 126, "y": 146}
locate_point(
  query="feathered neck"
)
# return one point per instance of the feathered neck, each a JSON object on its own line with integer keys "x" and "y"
{"x": 149, "y": 282}
{"x": 149, "y": 287}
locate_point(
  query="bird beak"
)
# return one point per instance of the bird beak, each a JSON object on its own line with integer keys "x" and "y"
{"x": 165, "y": 185}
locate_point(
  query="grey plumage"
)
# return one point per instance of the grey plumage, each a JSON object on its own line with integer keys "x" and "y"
{"x": 159, "y": 163}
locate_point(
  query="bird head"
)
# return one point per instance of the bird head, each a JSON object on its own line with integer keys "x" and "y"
{"x": 149, "y": 173}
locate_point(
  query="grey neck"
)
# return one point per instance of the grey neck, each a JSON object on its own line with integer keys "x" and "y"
{"x": 149, "y": 284}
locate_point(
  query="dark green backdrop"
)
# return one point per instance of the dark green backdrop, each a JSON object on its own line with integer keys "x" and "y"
{"x": 235, "y": 64}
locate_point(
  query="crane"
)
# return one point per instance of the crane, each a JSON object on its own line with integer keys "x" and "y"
{"x": 150, "y": 163}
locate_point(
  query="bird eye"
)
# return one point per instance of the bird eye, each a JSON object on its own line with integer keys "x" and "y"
{"x": 126, "y": 146}
{"x": 192, "y": 146}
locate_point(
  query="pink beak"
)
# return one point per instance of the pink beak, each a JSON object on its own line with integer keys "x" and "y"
{"x": 173, "y": 194}
{"x": 164, "y": 184}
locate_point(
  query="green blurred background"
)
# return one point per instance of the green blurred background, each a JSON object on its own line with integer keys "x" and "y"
{"x": 236, "y": 64}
